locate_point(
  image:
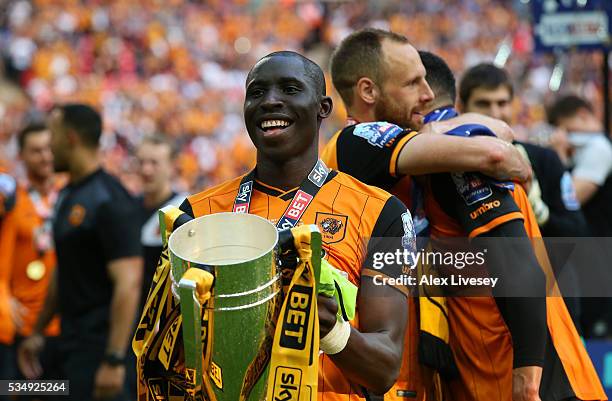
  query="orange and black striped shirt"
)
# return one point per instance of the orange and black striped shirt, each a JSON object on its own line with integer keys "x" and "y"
{"x": 359, "y": 212}
{"x": 466, "y": 205}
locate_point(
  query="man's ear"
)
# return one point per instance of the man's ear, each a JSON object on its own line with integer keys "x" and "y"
{"x": 326, "y": 108}
{"x": 367, "y": 90}
{"x": 73, "y": 138}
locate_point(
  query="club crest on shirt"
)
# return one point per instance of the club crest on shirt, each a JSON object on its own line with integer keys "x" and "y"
{"x": 76, "y": 215}
{"x": 378, "y": 133}
{"x": 332, "y": 226}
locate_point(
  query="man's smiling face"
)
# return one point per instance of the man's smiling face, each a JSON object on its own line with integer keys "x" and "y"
{"x": 283, "y": 107}
{"x": 404, "y": 92}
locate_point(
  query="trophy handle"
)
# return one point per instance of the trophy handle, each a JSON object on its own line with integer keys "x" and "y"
{"x": 170, "y": 218}
{"x": 317, "y": 253}
{"x": 191, "y": 311}
{"x": 287, "y": 254}
{"x": 195, "y": 290}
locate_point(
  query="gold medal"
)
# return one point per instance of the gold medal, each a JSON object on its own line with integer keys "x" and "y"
{"x": 35, "y": 270}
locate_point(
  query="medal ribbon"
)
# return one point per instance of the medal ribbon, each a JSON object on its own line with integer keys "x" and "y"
{"x": 308, "y": 189}
{"x": 44, "y": 209}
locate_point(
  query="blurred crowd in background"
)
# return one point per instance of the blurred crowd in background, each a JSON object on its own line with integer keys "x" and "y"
{"x": 178, "y": 67}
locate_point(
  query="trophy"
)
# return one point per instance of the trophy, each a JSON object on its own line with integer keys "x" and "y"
{"x": 233, "y": 316}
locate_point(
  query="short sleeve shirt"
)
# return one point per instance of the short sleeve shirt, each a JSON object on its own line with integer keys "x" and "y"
{"x": 94, "y": 223}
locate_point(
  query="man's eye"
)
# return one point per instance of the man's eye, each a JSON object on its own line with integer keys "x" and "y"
{"x": 291, "y": 89}
{"x": 255, "y": 92}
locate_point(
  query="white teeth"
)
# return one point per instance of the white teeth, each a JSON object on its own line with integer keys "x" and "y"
{"x": 274, "y": 124}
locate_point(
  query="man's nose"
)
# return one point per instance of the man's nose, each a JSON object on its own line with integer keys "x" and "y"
{"x": 427, "y": 95}
{"x": 495, "y": 111}
{"x": 146, "y": 169}
{"x": 272, "y": 100}
{"x": 48, "y": 155}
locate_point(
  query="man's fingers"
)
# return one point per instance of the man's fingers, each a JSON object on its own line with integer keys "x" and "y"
{"x": 101, "y": 392}
{"x": 28, "y": 356}
{"x": 104, "y": 391}
{"x": 29, "y": 365}
{"x": 328, "y": 308}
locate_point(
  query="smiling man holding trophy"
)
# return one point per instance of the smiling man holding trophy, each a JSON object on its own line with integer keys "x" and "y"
{"x": 261, "y": 330}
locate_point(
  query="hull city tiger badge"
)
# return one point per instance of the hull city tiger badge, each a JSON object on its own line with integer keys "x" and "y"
{"x": 332, "y": 226}
{"x": 76, "y": 216}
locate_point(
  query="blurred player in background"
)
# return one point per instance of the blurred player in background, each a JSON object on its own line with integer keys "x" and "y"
{"x": 28, "y": 257}
{"x": 96, "y": 288}
{"x": 487, "y": 89}
{"x": 155, "y": 156}
{"x": 582, "y": 144}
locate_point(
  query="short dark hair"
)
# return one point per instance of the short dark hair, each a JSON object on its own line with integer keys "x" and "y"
{"x": 28, "y": 130}
{"x": 566, "y": 106}
{"x": 439, "y": 75}
{"x": 484, "y": 75}
{"x": 83, "y": 119}
{"x": 160, "y": 139}
{"x": 360, "y": 55}
{"x": 314, "y": 72}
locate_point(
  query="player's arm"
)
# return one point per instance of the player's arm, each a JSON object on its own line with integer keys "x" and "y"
{"x": 379, "y": 153}
{"x": 500, "y": 128}
{"x": 119, "y": 237}
{"x": 565, "y": 215}
{"x": 521, "y": 289}
{"x": 585, "y": 189}
{"x": 592, "y": 167}
{"x": 373, "y": 354}
{"x": 30, "y": 348}
{"x": 488, "y": 155}
{"x": 494, "y": 221}
{"x": 50, "y": 308}
{"x": 521, "y": 299}
{"x": 8, "y": 233}
{"x": 126, "y": 275}
{"x": 426, "y": 154}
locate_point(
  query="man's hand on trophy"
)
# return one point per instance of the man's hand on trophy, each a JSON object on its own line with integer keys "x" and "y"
{"x": 328, "y": 308}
